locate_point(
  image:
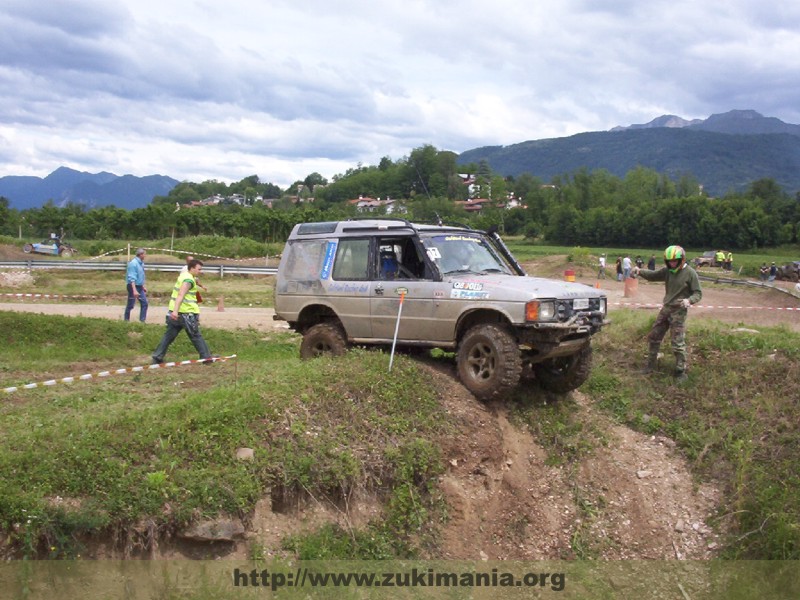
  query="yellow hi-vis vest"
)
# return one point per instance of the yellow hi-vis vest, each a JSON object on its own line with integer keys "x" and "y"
{"x": 189, "y": 304}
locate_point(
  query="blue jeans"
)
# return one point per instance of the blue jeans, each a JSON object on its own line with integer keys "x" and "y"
{"x": 190, "y": 322}
{"x": 132, "y": 302}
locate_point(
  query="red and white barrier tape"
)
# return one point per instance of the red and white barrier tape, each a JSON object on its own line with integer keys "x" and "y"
{"x": 637, "y": 305}
{"x": 103, "y": 374}
{"x": 200, "y": 254}
{"x": 47, "y": 296}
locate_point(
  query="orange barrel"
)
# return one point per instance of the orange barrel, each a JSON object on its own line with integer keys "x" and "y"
{"x": 569, "y": 275}
{"x": 631, "y": 287}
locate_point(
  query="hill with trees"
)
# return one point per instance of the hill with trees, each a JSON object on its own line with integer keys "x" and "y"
{"x": 724, "y": 153}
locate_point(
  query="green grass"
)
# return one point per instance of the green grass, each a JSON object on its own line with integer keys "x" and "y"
{"x": 160, "y": 446}
{"x": 99, "y": 457}
{"x": 749, "y": 260}
{"x": 737, "y": 420}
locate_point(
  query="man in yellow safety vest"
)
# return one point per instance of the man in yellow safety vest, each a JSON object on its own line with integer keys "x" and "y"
{"x": 184, "y": 314}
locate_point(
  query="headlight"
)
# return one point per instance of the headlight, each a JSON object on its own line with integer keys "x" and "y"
{"x": 604, "y": 306}
{"x": 537, "y": 310}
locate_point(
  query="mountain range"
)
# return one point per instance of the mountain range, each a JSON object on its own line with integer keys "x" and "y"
{"x": 725, "y": 152}
{"x": 65, "y": 185}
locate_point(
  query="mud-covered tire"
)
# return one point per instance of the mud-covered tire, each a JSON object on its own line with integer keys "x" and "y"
{"x": 66, "y": 252}
{"x": 323, "y": 339}
{"x": 488, "y": 360}
{"x": 564, "y": 374}
{"x": 27, "y": 248}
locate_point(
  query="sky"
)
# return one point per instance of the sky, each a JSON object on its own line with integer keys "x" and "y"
{"x": 204, "y": 89}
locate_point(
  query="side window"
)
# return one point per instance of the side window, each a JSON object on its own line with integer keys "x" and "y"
{"x": 352, "y": 260}
{"x": 305, "y": 260}
{"x": 399, "y": 259}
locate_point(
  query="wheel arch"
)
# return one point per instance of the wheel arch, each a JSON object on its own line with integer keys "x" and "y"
{"x": 315, "y": 313}
{"x": 479, "y": 316}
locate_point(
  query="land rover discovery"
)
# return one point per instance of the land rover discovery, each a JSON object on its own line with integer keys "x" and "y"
{"x": 342, "y": 282}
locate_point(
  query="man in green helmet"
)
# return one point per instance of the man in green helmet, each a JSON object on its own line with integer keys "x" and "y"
{"x": 682, "y": 290}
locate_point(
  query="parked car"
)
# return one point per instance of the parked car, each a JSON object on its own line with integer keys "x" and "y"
{"x": 54, "y": 247}
{"x": 789, "y": 272}
{"x": 342, "y": 282}
{"x": 708, "y": 259}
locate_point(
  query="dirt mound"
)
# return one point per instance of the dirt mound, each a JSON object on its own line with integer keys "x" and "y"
{"x": 633, "y": 497}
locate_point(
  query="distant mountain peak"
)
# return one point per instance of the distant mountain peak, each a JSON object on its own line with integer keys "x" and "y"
{"x": 65, "y": 185}
{"x": 740, "y": 121}
{"x": 662, "y": 121}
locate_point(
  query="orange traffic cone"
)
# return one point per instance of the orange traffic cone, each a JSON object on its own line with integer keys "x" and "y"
{"x": 221, "y": 304}
{"x": 597, "y": 284}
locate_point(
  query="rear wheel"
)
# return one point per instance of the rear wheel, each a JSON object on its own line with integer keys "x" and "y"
{"x": 489, "y": 362}
{"x": 66, "y": 252}
{"x": 27, "y": 248}
{"x": 565, "y": 373}
{"x": 323, "y": 339}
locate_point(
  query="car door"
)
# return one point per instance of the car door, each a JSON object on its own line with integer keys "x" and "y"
{"x": 348, "y": 284}
{"x": 415, "y": 281}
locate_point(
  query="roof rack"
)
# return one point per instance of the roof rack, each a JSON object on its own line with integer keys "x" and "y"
{"x": 401, "y": 223}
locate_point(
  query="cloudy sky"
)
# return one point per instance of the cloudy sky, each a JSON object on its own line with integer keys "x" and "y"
{"x": 209, "y": 89}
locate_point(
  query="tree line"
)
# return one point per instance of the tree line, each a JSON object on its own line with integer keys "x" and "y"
{"x": 588, "y": 208}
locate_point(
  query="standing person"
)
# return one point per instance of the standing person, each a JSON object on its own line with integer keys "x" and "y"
{"x": 763, "y": 272}
{"x": 682, "y": 290}
{"x": 773, "y": 272}
{"x": 619, "y": 268}
{"x": 601, "y": 273}
{"x": 651, "y": 264}
{"x": 729, "y": 261}
{"x": 639, "y": 262}
{"x": 626, "y": 267}
{"x": 134, "y": 281}
{"x": 184, "y": 313}
{"x": 719, "y": 258}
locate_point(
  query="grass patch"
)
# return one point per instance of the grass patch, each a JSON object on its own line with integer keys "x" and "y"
{"x": 109, "y": 286}
{"x": 160, "y": 446}
{"x": 737, "y": 420}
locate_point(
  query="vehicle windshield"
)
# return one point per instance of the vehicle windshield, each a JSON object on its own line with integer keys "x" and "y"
{"x": 464, "y": 253}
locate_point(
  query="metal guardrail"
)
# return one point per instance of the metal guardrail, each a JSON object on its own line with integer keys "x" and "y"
{"x": 221, "y": 270}
{"x": 746, "y": 282}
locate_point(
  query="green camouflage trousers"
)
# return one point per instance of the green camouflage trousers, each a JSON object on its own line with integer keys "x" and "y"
{"x": 674, "y": 319}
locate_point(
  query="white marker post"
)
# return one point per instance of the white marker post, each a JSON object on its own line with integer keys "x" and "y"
{"x": 402, "y": 292}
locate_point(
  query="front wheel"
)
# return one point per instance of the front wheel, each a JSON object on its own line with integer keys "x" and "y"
{"x": 566, "y": 373}
{"x": 323, "y": 339}
{"x": 488, "y": 361}
{"x": 66, "y": 252}
{"x": 27, "y": 248}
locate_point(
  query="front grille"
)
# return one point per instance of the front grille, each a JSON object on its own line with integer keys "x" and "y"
{"x": 565, "y": 310}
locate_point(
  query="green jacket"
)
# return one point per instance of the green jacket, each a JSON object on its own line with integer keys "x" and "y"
{"x": 683, "y": 284}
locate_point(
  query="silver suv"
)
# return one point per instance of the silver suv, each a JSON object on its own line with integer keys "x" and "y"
{"x": 341, "y": 283}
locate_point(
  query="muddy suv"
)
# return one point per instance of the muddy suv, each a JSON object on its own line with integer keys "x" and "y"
{"x": 342, "y": 282}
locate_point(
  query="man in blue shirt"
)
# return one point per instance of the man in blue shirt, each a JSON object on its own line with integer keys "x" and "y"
{"x": 134, "y": 278}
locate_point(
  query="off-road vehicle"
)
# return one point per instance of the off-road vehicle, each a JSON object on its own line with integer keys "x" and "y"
{"x": 708, "y": 259}
{"x": 342, "y": 282}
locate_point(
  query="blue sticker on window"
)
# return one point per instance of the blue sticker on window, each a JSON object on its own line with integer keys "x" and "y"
{"x": 330, "y": 253}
